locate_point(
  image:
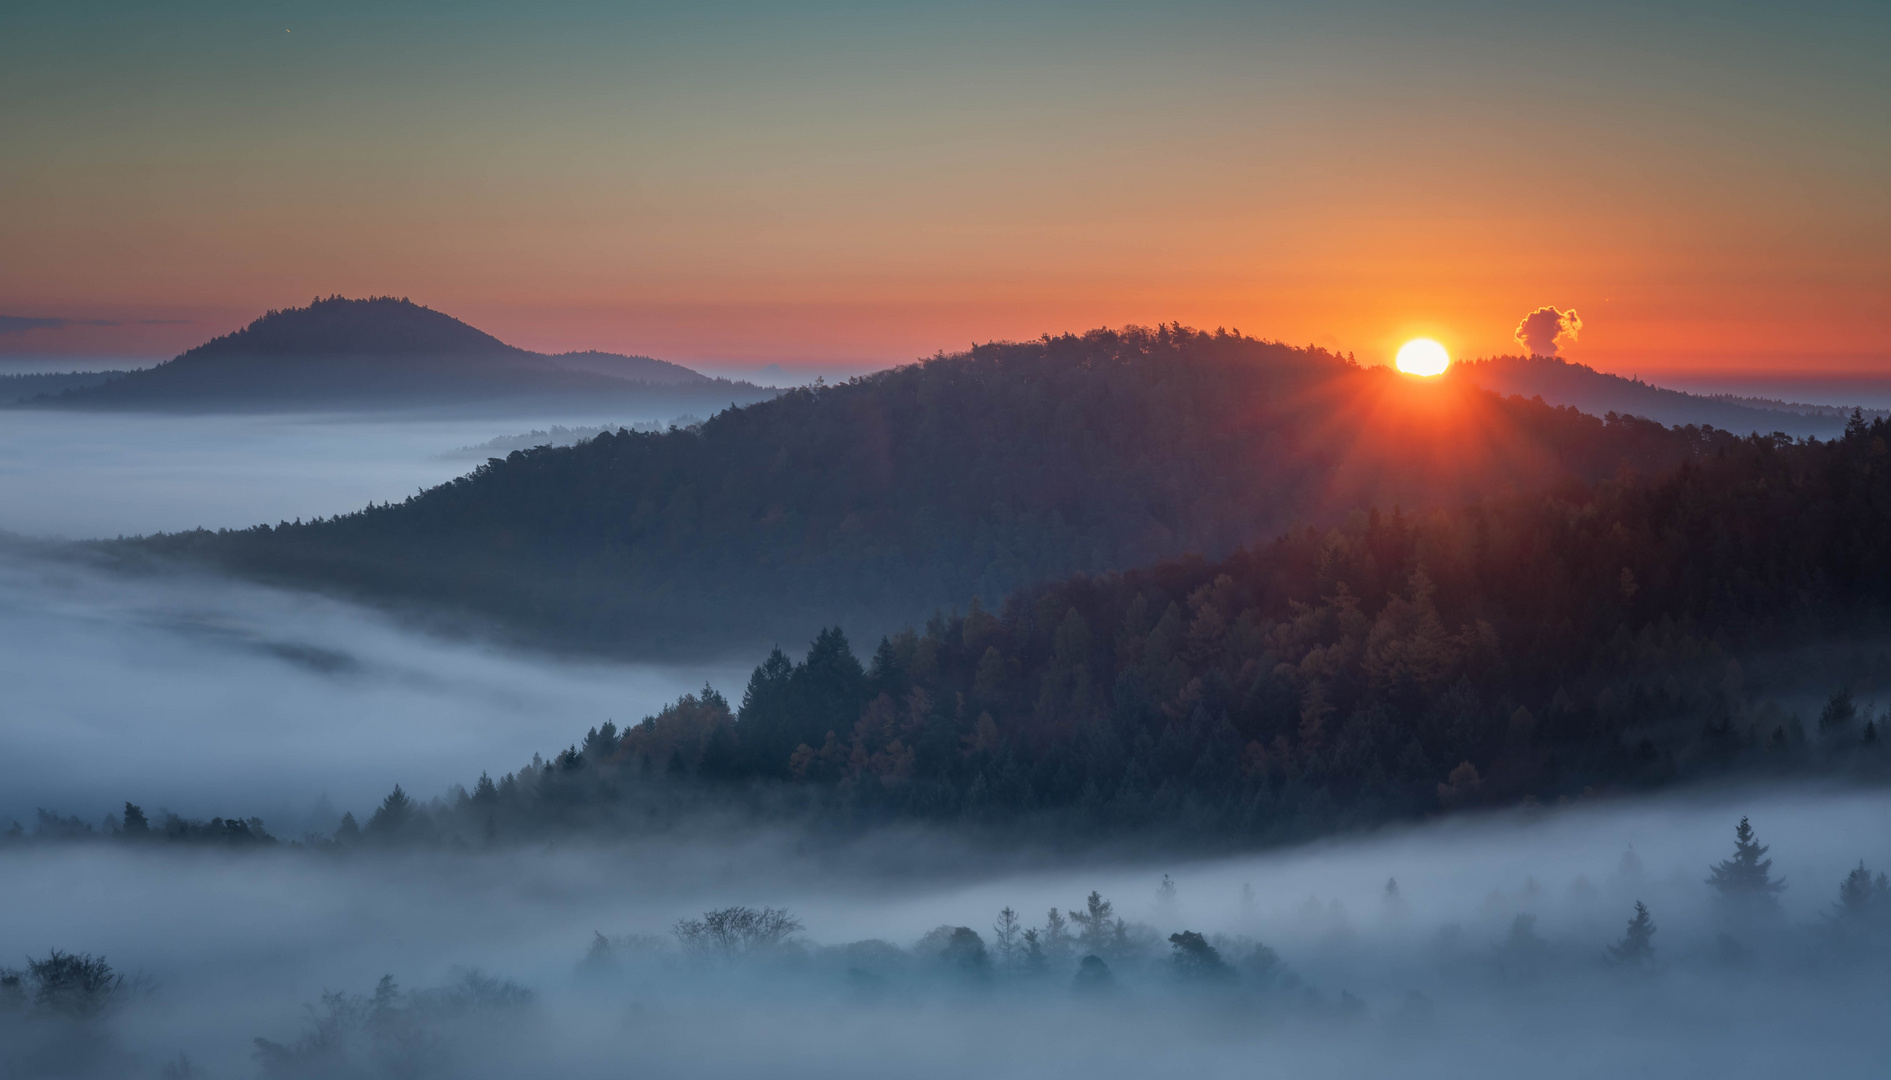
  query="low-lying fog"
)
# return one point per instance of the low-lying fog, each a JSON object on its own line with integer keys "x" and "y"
{"x": 98, "y": 474}
{"x": 1437, "y": 981}
{"x": 211, "y": 697}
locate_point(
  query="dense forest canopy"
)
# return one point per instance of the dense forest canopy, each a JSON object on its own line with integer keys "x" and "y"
{"x": 1606, "y": 636}
{"x": 870, "y": 502}
{"x": 385, "y": 352}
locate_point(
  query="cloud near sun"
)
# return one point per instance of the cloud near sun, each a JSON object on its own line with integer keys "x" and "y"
{"x": 1539, "y": 330}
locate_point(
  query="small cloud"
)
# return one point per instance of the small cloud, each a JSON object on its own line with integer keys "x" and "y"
{"x": 20, "y": 324}
{"x": 1540, "y": 330}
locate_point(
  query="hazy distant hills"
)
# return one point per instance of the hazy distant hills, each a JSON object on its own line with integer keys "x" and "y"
{"x": 1561, "y": 382}
{"x": 26, "y": 387}
{"x": 386, "y": 353}
{"x": 870, "y": 502}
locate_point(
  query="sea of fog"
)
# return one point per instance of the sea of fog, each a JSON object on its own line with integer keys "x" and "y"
{"x": 212, "y": 697}
{"x": 96, "y": 474}
{"x": 1433, "y": 982}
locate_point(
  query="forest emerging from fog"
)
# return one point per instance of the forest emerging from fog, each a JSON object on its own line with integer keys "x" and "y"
{"x": 871, "y": 502}
{"x": 1607, "y": 637}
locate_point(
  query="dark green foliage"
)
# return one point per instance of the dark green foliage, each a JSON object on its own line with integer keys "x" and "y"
{"x": 969, "y": 475}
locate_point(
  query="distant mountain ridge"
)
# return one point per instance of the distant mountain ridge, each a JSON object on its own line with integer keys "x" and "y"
{"x": 390, "y": 352}
{"x": 1562, "y": 382}
{"x": 873, "y": 501}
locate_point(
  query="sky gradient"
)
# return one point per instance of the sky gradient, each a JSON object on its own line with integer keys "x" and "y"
{"x": 853, "y": 184}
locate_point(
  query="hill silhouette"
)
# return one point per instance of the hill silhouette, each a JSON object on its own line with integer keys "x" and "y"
{"x": 1562, "y": 382}
{"x": 873, "y": 501}
{"x": 1625, "y": 635}
{"x": 384, "y": 352}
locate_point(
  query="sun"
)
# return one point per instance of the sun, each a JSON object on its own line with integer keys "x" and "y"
{"x": 1423, "y": 356}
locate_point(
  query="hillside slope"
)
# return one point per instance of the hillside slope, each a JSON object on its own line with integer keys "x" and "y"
{"x": 387, "y": 353}
{"x": 1561, "y": 382}
{"x": 870, "y": 502}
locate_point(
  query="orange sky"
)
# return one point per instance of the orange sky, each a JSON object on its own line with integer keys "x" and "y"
{"x": 860, "y": 185}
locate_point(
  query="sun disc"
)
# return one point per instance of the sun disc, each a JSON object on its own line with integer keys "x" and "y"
{"x": 1423, "y": 356}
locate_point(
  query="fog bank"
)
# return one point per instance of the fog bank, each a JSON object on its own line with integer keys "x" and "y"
{"x": 1430, "y": 983}
{"x": 212, "y": 697}
{"x": 84, "y": 475}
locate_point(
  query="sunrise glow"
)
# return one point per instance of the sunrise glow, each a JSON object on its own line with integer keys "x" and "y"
{"x": 1423, "y": 356}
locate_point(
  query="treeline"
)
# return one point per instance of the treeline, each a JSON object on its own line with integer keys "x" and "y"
{"x": 1536, "y": 647}
{"x": 1603, "y": 638}
{"x": 967, "y": 475}
{"x": 1609, "y": 637}
{"x": 134, "y": 827}
{"x": 60, "y": 1015}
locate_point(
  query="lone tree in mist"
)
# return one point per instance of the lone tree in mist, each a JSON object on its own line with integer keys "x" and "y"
{"x": 1864, "y": 903}
{"x": 1005, "y": 933}
{"x": 1747, "y": 878}
{"x": 1637, "y": 946}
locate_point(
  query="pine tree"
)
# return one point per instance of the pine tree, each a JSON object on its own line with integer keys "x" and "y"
{"x": 1637, "y": 946}
{"x": 1031, "y": 951}
{"x": 1747, "y": 877}
{"x": 1057, "y": 940}
{"x": 394, "y": 813}
{"x": 1862, "y": 898}
{"x": 1097, "y": 922}
{"x": 1005, "y": 933}
{"x": 1839, "y": 712}
{"x": 1195, "y": 960}
{"x": 135, "y": 822}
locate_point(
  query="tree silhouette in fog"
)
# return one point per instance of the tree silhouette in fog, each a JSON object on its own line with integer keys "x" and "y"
{"x": 1746, "y": 878}
{"x": 1637, "y": 946}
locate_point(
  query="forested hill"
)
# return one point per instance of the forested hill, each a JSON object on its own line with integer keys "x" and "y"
{"x": 391, "y": 353}
{"x": 1562, "y": 382}
{"x": 1623, "y": 635}
{"x": 873, "y": 501}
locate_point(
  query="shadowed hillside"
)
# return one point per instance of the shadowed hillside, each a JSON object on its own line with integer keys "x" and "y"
{"x": 1617, "y": 636}
{"x": 388, "y": 353}
{"x": 873, "y": 501}
{"x": 1561, "y": 382}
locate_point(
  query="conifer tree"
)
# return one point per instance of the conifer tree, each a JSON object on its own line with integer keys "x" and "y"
{"x": 1637, "y": 946}
{"x": 1747, "y": 876}
{"x": 1005, "y": 933}
{"x": 1096, "y": 920}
